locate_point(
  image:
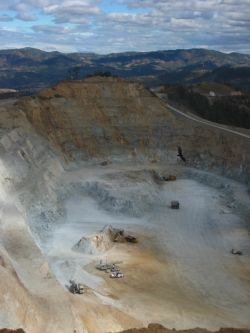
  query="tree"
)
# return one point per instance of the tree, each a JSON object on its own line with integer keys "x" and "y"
{"x": 74, "y": 72}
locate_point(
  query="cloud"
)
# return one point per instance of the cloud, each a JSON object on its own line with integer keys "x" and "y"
{"x": 23, "y": 11}
{"x": 26, "y": 17}
{"x": 48, "y": 29}
{"x": 5, "y": 18}
{"x": 72, "y": 11}
{"x": 124, "y": 25}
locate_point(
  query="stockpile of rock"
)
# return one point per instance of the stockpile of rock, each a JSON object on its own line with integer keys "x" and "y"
{"x": 103, "y": 240}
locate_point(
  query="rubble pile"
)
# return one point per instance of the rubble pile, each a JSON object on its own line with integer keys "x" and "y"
{"x": 103, "y": 240}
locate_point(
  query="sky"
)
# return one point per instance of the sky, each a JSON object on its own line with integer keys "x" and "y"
{"x": 105, "y": 26}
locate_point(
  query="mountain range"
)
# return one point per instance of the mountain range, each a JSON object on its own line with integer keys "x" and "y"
{"x": 29, "y": 69}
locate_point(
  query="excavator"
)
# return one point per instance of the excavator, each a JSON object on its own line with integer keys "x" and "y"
{"x": 236, "y": 252}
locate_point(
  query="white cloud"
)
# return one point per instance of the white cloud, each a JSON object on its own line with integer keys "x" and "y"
{"x": 5, "y": 18}
{"x": 48, "y": 29}
{"x": 26, "y": 17}
{"x": 138, "y": 25}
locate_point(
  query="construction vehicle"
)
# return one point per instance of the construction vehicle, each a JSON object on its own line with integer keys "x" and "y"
{"x": 115, "y": 268}
{"x": 235, "y": 252}
{"x": 103, "y": 267}
{"x": 175, "y": 204}
{"x": 131, "y": 239}
{"x": 76, "y": 288}
{"x": 106, "y": 267}
{"x": 169, "y": 178}
{"x": 116, "y": 275}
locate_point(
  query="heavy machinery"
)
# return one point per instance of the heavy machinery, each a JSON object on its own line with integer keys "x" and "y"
{"x": 107, "y": 267}
{"x": 76, "y": 288}
{"x": 116, "y": 275}
{"x": 169, "y": 178}
{"x": 131, "y": 239}
{"x": 236, "y": 252}
{"x": 175, "y": 204}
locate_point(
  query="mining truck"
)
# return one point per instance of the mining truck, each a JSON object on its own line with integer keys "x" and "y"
{"x": 76, "y": 288}
{"x": 175, "y": 204}
{"x": 116, "y": 275}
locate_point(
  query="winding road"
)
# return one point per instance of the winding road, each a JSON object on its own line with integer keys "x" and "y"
{"x": 205, "y": 122}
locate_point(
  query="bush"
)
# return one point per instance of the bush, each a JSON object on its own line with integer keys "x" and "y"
{"x": 229, "y": 110}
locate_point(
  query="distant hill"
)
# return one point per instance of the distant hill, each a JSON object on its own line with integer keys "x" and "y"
{"x": 212, "y": 101}
{"x": 236, "y": 76}
{"x": 31, "y": 69}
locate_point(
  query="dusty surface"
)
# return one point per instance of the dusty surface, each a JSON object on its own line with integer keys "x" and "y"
{"x": 180, "y": 274}
{"x": 182, "y": 264}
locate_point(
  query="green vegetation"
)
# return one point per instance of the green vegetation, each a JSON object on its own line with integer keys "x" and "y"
{"x": 229, "y": 110}
{"x": 100, "y": 73}
{"x": 74, "y": 73}
{"x": 238, "y": 77}
{"x": 33, "y": 70}
{"x": 218, "y": 88}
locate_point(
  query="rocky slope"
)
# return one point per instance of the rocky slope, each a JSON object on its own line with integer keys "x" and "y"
{"x": 104, "y": 117}
{"x": 154, "y": 328}
{"x": 5, "y": 330}
{"x": 49, "y": 196}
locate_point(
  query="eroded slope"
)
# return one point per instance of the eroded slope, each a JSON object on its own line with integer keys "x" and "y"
{"x": 110, "y": 117}
{"x": 48, "y": 204}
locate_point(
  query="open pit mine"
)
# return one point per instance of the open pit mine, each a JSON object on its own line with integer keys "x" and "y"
{"x": 117, "y": 211}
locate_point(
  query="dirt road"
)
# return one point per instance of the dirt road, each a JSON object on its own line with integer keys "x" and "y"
{"x": 202, "y": 121}
{"x": 183, "y": 267}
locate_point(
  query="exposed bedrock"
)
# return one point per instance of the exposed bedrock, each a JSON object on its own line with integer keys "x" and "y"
{"x": 5, "y": 330}
{"x": 106, "y": 119}
{"x": 156, "y": 328}
{"x": 111, "y": 117}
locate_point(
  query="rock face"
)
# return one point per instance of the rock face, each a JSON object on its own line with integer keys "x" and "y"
{"x": 103, "y": 117}
{"x": 5, "y": 330}
{"x": 95, "y": 118}
{"x": 156, "y": 328}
